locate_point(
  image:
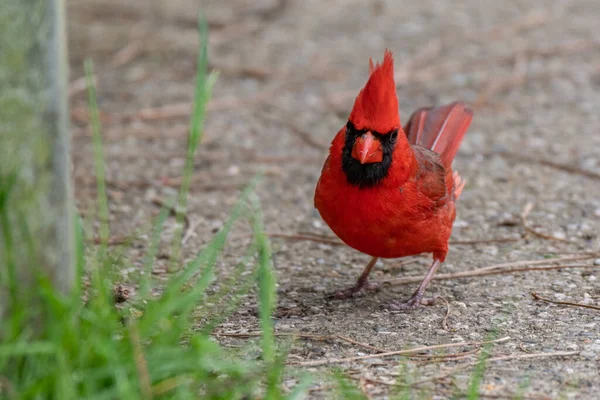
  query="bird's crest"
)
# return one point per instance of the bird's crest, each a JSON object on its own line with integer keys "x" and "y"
{"x": 376, "y": 106}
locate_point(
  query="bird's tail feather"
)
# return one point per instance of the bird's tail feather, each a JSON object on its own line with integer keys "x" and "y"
{"x": 440, "y": 129}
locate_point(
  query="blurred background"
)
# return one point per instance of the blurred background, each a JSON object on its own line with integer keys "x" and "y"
{"x": 289, "y": 72}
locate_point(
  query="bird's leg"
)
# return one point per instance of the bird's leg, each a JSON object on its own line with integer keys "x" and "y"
{"x": 417, "y": 298}
{"x": 361, "y": 284}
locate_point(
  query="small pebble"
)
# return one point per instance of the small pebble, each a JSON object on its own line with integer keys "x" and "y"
{"x": 560, "y": 296}
{"x": 459, "y": 223}
{"x": 587, "y": 355}
{"x": 595, "y": 347}
{"x": 233, "y": 170}
{"x": 491, "y": 250}
{"x": 459, "y": 304}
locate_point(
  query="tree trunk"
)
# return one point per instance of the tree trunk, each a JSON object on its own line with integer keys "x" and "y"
{"x": 36, "y": 206}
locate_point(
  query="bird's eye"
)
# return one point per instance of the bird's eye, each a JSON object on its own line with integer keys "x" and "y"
{"x": 393, "y": 136}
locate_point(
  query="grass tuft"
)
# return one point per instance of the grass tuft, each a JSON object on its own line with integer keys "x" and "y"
{"x": 88, "y": 348}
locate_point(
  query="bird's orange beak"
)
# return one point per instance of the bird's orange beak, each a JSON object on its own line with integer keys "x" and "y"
{"x": 367, "y": 149}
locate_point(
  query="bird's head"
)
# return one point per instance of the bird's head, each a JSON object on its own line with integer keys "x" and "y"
{"x": 373, "y": 125}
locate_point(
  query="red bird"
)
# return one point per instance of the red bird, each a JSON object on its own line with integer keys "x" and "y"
{"x": 389, "y": 191}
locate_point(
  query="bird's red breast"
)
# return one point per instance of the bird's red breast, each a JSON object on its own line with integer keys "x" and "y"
{"x": 380, "y": 191}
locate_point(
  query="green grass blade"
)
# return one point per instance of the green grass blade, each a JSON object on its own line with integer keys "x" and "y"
{"x": 27, "y": 348}
{"x": 479, "y": 370}
{"x": 218, "y": 313}
{"x": 145, "y": 284}
{"x": 79, "y": 259}
{"x": 203, "y": 90}
{"x": 345, "y": 390}
{"x": 267, "y": 300}
{"x": 98, "y": 152}
{"x": 172, "y": 301}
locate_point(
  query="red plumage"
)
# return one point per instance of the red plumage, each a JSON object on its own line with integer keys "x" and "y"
{"x": 376, "y": 105}
{"x": 401, "y": 203}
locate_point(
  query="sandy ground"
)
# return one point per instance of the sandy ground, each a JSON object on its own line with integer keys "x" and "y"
{"x": 289, "y": 73}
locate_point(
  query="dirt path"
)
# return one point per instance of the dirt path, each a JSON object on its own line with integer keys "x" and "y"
{"x": 289, "y": 73}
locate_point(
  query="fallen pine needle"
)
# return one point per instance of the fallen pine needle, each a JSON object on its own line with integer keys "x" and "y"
{"x": 394, "y": 353}
{"x": 305, "y": 336}
{"x": 564, "y": 303}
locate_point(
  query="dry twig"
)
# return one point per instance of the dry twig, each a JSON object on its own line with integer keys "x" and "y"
{"x": 283, "y": 118}
{"x": 564, "y": 303}
{"x": 481, "y": 272}
{"x": 528, "y": 229}
{"x": 395, "y": 353}
{"x": 128, "y": 53}
{"x": 536, "y": 160}
{"x": 447, "y": 357}
{"x": 172, "y": 111}
{"x": 306, "y": 336}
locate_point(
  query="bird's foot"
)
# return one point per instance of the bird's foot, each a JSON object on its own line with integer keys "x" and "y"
{"x": 354, "y": 290}
{"x": 414, "y": 302}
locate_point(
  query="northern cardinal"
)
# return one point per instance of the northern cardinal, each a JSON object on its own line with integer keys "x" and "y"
{"x": 389, "y": 191}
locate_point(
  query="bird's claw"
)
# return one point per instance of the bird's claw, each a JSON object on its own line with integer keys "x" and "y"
{"x": 353, "y": 291}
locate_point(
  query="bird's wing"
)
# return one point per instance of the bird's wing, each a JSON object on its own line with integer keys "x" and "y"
{"x": 432, "y": 179}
